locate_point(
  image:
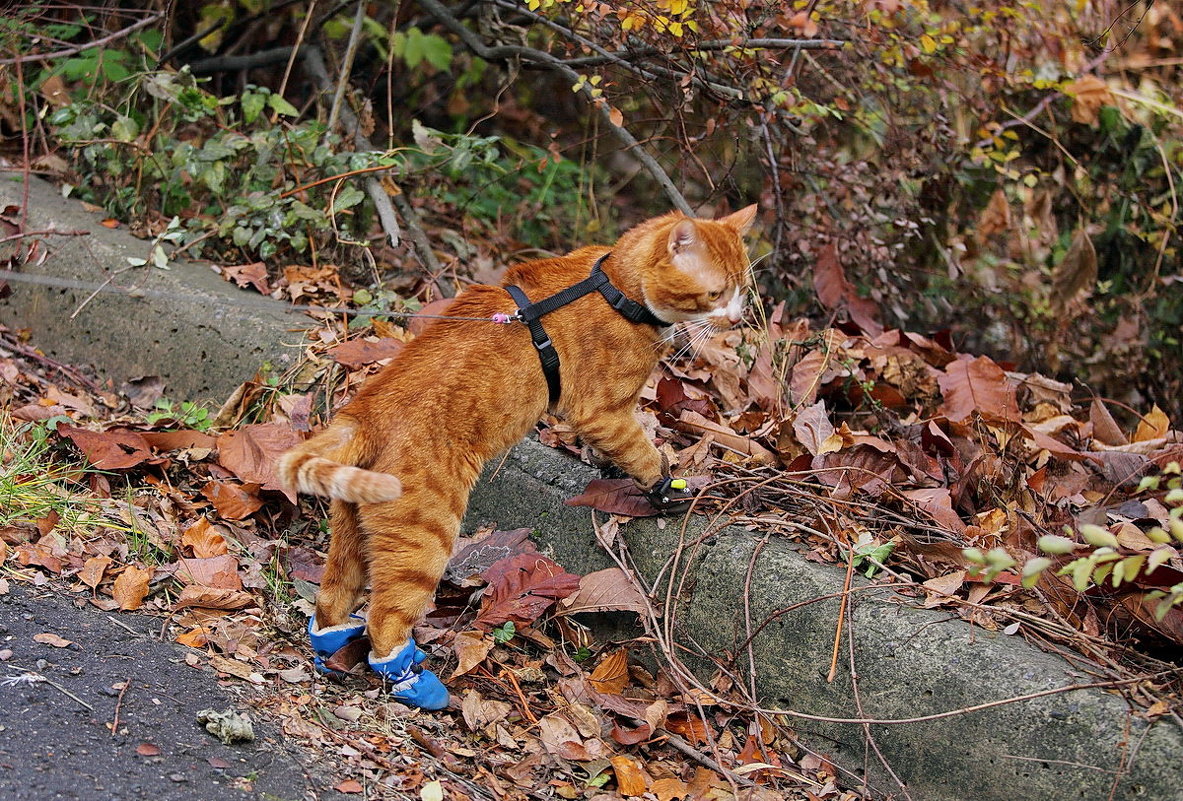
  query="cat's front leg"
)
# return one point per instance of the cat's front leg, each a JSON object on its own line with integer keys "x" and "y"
{"x": 617, "y": 435}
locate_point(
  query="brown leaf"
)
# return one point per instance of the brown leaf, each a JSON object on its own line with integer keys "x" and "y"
{"x": 471, "y": 648}
{"x": 812, "y": 427}
{"x": 688, "y": 726}
{"x": 179, "y": 440}
{"x": 349, "y": 786}
{"x": 1088, "y": 93}
{"x": 204, "y": 539}
{"x": 829, "y": 279}
{"x": 695, "y": 423}
{"x": 37, "y": 553}
{"x": 360, "y": 352}
{"x": 611, "y": 675}
{"x": 232, "y": 501}
{"x": 669, "y": 788}
{"x": 212, "y": 598}
{"x": 607, "y": 590}
{"x": 472, "y": 557}
{"x": 526, "y": 586}
{"x": 253, "y": 274}
{"x": 148, "y": 749}
{"x": 49, "y": 638}
{"x": 996, "y": 217}
{"x": 618, "y": 496}
{"x": 218, "y": 572}
{"x": 1105, "y": 428}
{"x": 131, "y": 587}
{"x": 480, "y": 712}
{"x": 110, "y": 450}
{"x": 93, "y": 570}
{"x": 938, "y": 504}
{"x": 979, "y": 386}
{"x": 304, "y": 563}
{"x": 252, "y": 452}
{"x": 1076, "y": 275}
{"x": 630, "y": 778}
{"x": 556, "y": 734}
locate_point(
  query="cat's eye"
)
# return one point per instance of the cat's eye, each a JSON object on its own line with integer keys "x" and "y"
{"x": 713, "y": 296}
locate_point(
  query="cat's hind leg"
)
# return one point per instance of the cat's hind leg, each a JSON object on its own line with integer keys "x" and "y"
{"x": 334, "y": 626}
{"x": 409, "y": 542}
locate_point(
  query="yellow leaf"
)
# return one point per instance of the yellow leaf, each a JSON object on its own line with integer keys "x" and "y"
{"x": 1154, "y": 425}
{"x": 630, "y": 780}
{"x": 432, "y": 791}
{"x": 927, "y": 44}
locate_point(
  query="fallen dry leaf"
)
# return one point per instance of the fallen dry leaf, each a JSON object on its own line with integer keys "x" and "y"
{"x": 49, "y": 638}
{"x": 131, "y": 587}
{"x": 607, "y": 590}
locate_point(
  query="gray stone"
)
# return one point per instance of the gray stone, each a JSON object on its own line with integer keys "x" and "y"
{"x": 200, "y": 334}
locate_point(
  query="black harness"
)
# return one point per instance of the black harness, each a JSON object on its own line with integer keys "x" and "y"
{"x": 530, "y": 314}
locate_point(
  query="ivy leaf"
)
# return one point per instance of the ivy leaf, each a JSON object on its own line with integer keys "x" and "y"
{"x": 253, "y": 104}
{"x": 279, "y": 105}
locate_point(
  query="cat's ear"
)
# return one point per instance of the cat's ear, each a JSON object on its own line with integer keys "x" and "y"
{"x": 682, "y": 237}
{"x": 741, "y": 220}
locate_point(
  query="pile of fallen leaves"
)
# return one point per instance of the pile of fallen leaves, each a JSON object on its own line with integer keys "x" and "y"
{"x": 891, "y": 450}
{"x": 192, "y": 526}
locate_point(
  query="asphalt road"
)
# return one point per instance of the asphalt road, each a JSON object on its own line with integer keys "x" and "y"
{"x": 56, "y": 740}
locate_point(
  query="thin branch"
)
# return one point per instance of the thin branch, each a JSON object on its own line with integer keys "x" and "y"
{"x": 71, "y": 51}
{"x": 510, "y": 52}
{"x": 346, "y": 66}
{"x": 714, "y": 45}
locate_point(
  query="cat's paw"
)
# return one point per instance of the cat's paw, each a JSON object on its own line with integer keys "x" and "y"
{"x": 670, "y": 495}
{"x": 329, "y": 640}
{"x": 410, "y": 683}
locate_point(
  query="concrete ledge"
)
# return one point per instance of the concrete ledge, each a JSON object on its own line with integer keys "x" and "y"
{"x": 200, "y": 334}
{"x": 911, "y": 662}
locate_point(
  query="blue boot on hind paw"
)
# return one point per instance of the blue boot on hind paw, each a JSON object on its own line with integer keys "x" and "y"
{"x": 329, "y": 640}
{"x": 411, "y": 684}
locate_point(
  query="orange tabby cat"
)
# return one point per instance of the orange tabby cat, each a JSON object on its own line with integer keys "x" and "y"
{"x": 400, "y": 459}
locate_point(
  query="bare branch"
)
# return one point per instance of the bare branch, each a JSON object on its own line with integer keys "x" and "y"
{"x": 507, "y": 52}
{"x": 71, "y": 51}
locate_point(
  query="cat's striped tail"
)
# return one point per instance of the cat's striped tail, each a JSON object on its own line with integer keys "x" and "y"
{"x": 321, "y": 466}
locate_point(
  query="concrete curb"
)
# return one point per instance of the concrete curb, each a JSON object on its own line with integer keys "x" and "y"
{"x": 911, "y": 662}
{"x": 187, "y": 325}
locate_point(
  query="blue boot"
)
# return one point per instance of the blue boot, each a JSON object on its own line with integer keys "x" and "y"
{"x": 411, "y": 684}
{"x": 327, "y": 641}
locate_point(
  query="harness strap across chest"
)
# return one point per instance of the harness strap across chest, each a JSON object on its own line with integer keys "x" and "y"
{"x": 530, "y": 314}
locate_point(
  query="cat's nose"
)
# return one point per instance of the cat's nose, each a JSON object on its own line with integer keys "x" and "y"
{"x": 734, "y": 317}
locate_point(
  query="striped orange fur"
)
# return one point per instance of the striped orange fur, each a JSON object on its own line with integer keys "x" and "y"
{"x": 400, "y": 459}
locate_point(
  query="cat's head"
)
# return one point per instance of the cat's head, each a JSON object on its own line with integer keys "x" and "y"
{"x": 700, "y": 269}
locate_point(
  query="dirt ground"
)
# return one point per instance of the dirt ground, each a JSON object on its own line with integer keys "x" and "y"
{"x": 113, "y": 715}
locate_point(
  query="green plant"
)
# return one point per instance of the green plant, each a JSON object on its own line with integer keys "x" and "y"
{"x": 1115, "y": 557}
{"x": 37, "y": 482}
{"x": 185, "y": 413}
{"x": 504, "y": 633}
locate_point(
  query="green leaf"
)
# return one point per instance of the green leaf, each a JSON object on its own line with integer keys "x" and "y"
{"x": 437, "y": 51}
{"x": 281, "y": 106}
{"x": 253, "y": 104}
{"x": 347, "y": 198}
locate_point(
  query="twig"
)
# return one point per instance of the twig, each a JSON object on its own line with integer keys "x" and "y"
{"x": 841, "y": 612}
{"x": 951, "y": 713}
{"x": 118, "y": 705}
{"x": 70, "y": 51}
{"x": 97, "y": 290}
{"x": 46, "y": 232}
{"x": 66, "y": 370}
{"x": 858, "y": 705}
{"x": 123, "y": 625}
{"x": 517, "y": 688}
{"x": 705, "y": 760}
{"x": 52, "y": 683}
{"x": 346, "y": 67}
